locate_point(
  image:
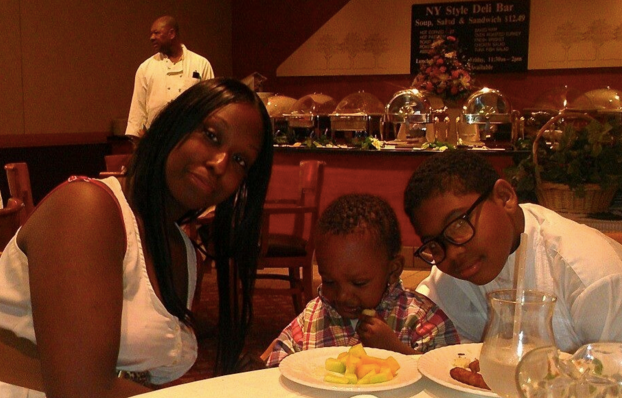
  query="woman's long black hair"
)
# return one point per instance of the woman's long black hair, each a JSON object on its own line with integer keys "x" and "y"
{"x": 237, "y": 221}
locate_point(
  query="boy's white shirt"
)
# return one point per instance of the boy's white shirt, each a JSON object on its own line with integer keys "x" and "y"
{"x": 587, "y": 283}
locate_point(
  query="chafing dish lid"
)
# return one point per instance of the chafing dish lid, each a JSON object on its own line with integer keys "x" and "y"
{"x": 606, "y": 100}
{"x": 314, "y": 104}
{"x": 278, "y": 105}
{"x": 409, "y": 106}
{"x": 360, "y": 103}
{"x": 564, "y": 98}
{"x": 487, "y": 106}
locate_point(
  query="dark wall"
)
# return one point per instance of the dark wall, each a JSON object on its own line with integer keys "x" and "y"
{"x": 50, "y": 165}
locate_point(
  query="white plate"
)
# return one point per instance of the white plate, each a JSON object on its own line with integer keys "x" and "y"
{"x": 436, "y": 364}
{"x": 307, "y": 368}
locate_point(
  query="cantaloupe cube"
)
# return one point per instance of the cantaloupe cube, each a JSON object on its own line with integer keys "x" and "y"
{"x": 365, "y": 359}
{"x": 366, "y": 379}
{"x": 351, "y": 363}
{"x": 342, "y": 356}
{"x": 364, "y": 369}
{"x": 392, "y": 364}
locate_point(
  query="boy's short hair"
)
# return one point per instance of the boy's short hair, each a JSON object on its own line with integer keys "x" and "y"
{"x": 457, "y": 171}
{"x": 362, "y": 213}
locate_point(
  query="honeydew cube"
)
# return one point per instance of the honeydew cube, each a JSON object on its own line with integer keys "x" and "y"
{"x": 352, "y": 379}
{"x": 380, "y": 377}
{"x": 369, "y": 312}
{"x": 334, "y": 365}
{"x": 357, "y": 350}
{"x": 331, "y": 378}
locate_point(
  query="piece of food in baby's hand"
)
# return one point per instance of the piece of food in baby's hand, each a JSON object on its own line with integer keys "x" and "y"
{"x": 369, "y": 312}
{"x": 356, "y": 367}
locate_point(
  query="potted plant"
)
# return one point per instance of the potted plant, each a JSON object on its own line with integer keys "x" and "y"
{"x": 577, "y": 168}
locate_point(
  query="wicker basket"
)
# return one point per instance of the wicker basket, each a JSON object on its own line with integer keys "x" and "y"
{"x": 559, "y": 197}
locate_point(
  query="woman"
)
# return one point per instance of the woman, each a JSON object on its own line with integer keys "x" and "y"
{"x": 101, "y": 276}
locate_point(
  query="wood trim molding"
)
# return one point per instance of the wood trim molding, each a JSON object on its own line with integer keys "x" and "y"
{"x": 56, "y": 139}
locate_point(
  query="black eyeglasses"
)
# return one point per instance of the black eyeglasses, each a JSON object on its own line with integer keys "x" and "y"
{"x": 458, "y": 232}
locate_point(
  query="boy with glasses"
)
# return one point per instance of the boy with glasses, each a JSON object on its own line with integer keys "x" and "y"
{"x": 470, "y": 223}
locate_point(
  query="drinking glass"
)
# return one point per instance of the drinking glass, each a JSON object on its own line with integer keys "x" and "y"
{"x": 516, "y": 325}
{"x": 595, "y": 370}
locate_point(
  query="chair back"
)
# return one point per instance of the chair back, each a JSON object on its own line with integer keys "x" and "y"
{"x": 10, "y": 220}
{"x": 19, "y": 186}
{"x": 117, "y": 162}
{"x": 311, "y": 181}
{"x": 293, "y": 251}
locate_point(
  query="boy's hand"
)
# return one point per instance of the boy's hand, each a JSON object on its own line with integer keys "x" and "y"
{"x": 375, "y": 333}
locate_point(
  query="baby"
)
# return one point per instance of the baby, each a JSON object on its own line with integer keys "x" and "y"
{"x": 361, "y": 297}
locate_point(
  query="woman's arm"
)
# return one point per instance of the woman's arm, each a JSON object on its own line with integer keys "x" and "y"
{"x": 75, "y": 246}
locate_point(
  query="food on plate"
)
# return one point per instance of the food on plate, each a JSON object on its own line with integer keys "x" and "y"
{"x": 355, "y": 366}
{"x": 467, "y": 371}
{"x": 469, "y": 377}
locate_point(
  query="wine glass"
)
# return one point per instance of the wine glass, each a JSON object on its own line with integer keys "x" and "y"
{"x": 595, "y": 370}
{"x": 516, "y": 325}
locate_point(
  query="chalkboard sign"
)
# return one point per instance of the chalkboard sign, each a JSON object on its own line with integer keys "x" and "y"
{"x": 493, "y": 35}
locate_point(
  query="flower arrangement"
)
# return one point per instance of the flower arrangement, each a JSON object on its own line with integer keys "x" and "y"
{"x": 445, "y": 73}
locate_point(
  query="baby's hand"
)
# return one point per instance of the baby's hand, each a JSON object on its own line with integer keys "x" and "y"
{"x": 374, "y": 332}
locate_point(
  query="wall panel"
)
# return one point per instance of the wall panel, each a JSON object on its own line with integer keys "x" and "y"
{"x": 11, "y": 95}
{"x": 79, "y": 57}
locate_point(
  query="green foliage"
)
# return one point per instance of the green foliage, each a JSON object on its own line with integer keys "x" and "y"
{"x": 440, "y": 145}
{"x": 586, "y": 153}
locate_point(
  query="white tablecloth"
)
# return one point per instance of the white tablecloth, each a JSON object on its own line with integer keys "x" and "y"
{"x": 269, "y": 383}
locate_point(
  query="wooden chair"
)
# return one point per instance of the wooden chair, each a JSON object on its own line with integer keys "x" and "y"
{"x": 617, "y": 236}
{"x": 115, "y": 165}
{"x": 19, "y": 186}
{"x": 10, "y": 220}
{"x": 293, "y": 251}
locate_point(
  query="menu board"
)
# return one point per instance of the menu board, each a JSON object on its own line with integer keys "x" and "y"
{"x": 492, "y": 35}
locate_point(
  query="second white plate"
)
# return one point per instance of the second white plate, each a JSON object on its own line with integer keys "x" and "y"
{"x": 436, "y": 364}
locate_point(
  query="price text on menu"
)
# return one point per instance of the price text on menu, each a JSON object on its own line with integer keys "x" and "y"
{"x": 492, "y": 35}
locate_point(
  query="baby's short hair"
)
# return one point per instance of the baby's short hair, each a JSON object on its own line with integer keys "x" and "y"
{"x": 457, "y": 171}
{"x": 357, "y": 213}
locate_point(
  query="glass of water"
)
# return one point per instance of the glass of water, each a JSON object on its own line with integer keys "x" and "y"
{"x": 594, "y": 371}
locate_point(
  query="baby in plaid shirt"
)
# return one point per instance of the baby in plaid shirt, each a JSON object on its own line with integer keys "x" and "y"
{"x": 358, "y": 252}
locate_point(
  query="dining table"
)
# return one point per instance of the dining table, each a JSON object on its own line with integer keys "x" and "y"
{"x": 270, "y": 383}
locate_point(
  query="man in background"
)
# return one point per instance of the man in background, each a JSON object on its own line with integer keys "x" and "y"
{"x": 165, "y": 75}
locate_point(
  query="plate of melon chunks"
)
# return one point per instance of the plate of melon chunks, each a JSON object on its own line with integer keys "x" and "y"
{"x": 355, "y": 368}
